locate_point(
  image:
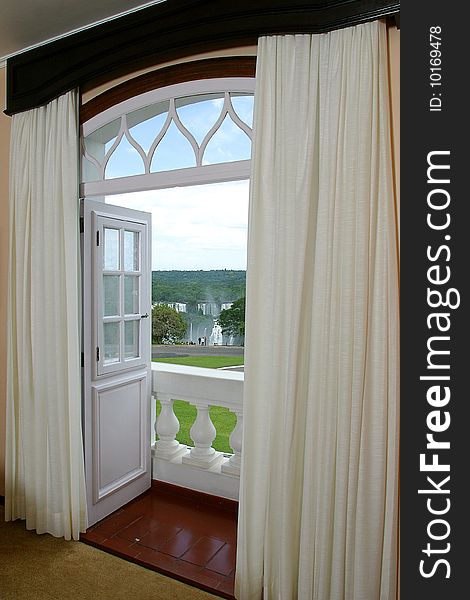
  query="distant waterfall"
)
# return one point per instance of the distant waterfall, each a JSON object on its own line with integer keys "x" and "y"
{"x": 216, "y": 338}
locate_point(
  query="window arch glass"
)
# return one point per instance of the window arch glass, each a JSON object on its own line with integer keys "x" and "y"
{"x": 184, "y": 134}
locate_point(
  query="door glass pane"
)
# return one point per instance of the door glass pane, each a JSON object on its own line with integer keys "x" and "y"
{"x": 131, "y": 250}
{"x": 131, "y": 339}
{"x": 111, "y": 342}
{"x": 131, "y": 294}
{"x": 111, "y": 295}
{"x": 111, "y": 249}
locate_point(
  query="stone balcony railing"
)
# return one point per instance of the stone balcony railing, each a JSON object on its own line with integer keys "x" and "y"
{"x": 199, "y": 467}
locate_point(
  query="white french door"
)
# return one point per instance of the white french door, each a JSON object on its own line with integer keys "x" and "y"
{"x": 117, "y": 349}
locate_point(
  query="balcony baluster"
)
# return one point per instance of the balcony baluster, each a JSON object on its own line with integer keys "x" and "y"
{"x": 167, "y": 426}
{"x": 203, "y": 433}
{"x": 232, "y": 466}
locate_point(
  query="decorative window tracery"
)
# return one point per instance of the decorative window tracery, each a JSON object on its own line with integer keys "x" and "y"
{"x": 185, "y": 134}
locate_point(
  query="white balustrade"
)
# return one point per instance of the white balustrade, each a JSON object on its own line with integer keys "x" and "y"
{"x": 202, "y": 388}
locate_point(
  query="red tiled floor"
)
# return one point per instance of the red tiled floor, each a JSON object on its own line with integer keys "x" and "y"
{"x": 114, "y": 523}
{"x": 182, "y": 542}
{"x": 227, "y": 587}
{"x": 136, "y": 530}
{"x": 154, "y": 558}
{"x": 159, "y": 535}
{"x": 223, "y": 561}
{"x": 187, "y": 538}
{"x": 202, "y": 551}
{"x": 122, "y": 546}
{"x": 95, "y": 536}
{"x": 206, "y": 578}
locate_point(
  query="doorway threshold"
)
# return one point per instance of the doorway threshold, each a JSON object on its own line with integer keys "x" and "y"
{"x": 186, "y": 535}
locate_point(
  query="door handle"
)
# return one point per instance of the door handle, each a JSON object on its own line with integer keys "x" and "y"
{"x": 144, "y": 316}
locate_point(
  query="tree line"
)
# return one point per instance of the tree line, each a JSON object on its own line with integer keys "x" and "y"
{"x": 194, "y": 287}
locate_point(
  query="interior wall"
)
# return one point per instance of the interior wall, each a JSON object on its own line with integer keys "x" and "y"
{"x": 4, "y": 160}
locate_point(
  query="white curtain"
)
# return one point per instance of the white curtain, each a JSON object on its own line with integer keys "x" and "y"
{"x": 318, "y": 499}
{"x": 45, "y": 481}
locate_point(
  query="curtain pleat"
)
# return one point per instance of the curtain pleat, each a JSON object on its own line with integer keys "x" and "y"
{"x": 318, "y": 497}
{"x": 45, "y": 482}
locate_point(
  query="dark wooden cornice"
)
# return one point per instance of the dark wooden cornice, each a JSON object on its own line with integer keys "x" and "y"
{"x": 228, "y": 66}
{"x": 170, "y": 31}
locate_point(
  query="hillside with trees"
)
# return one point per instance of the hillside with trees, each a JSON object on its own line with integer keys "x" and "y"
{"x": 194, "y": 287}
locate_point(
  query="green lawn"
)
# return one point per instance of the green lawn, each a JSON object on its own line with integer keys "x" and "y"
{"x": 224, "y": 421}
{"x": 210, "y": 362}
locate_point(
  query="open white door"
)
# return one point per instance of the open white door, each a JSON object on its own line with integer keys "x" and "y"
{"x": 117, "y": 349}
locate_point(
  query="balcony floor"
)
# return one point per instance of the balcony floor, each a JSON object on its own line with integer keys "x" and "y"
{"x": 188, "y": 536}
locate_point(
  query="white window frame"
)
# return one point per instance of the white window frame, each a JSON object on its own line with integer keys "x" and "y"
{"x": 198, "y": 175}
{"x": 99, "y": 222}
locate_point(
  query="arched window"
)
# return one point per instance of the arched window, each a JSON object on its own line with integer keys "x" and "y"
{"x": 185, "y": 134}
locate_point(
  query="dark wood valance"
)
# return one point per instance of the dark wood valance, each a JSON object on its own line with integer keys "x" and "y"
{"x": 170, "y": 31}
{"x": 226, "y": 66}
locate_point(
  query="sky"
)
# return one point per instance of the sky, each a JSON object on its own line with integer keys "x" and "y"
{"x": 197, "y": 227}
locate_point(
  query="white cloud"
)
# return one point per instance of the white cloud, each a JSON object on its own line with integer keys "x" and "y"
{"x": 197, "y": 227}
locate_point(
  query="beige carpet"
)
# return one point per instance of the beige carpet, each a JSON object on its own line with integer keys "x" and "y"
{"x": 41, "y": 567}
